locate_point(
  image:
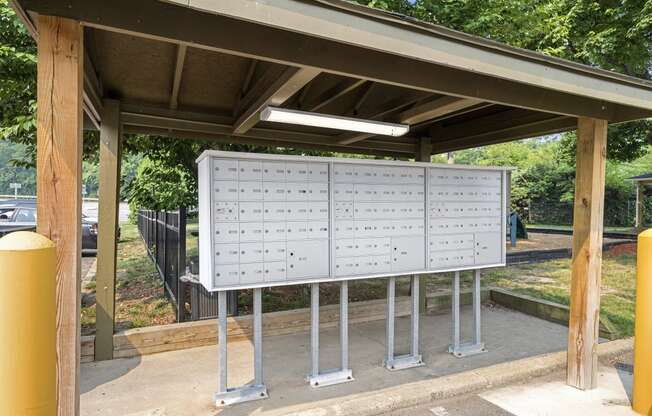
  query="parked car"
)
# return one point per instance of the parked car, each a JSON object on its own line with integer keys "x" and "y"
{"x": 16, "y": 215}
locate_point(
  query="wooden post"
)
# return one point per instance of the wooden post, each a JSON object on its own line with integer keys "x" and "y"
{"x": 58, "y": 188}
{"x": 587, "y": 253}
{"x": 109, "y": 190}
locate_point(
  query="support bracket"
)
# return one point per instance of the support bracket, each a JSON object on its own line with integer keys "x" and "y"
{"x": 476, "y": 346}
{"x": 413, "y": 359}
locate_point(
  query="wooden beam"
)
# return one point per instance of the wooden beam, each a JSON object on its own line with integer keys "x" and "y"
{"x": 362, "y": 98}
{"x": 583, "y": 327}
{"x": 436, "y": 108}
{"x": 389, "y": 108}
{"x": 274, "y": 91}
{"x": 178, "y": 72}
{"x": 244, "y": 37}
{"x": 109, "y": 190}
{"x": 551, "y": 125}
{"x": 271, "y": 136}
{"x": 58, "y": 167}
{"x": 333, "y": 94}
{"x": 365, "y": 149}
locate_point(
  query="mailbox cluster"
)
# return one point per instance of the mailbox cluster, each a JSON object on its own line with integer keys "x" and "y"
{"x": 268, "y": 220}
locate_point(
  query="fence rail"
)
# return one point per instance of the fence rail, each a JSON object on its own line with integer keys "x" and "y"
{"x": 164, "y": 234}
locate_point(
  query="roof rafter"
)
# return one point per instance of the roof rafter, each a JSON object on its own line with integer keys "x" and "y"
{"x": 274, "y": 88}
{"x": 436, "y": 108}
{"x": 340, "y": 89}
{"x": 178, "y": 72}
{"x": 527, "y": 129}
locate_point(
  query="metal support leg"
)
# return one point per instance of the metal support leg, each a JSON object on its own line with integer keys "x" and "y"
{"x": 314, "y": 330}
{"x": 344, "y": 373}
{"x": 413, "y": 359}
{"x": 221, "y": 333}
{"x": 344, "y": 325}
{"x": 258, "y": 337}
{"x": 457, "y": 348}
{"x": 256, "y": 391}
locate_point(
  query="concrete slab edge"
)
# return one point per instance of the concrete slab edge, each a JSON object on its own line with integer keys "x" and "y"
{"x": 423, "y": 392}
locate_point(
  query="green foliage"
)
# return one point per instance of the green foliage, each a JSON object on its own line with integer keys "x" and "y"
{"x": 610, "y": 34}
{"x": 161, "y": 186}
{"x": 17, "y": 83}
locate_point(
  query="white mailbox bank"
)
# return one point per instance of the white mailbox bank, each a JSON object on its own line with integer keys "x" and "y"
{"x": 268, "y": 220}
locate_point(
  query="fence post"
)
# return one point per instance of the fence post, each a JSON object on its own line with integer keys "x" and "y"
{"x": 181, "y": 264}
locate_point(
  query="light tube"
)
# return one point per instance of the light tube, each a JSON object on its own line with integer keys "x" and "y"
{"x": 304, "y": 118}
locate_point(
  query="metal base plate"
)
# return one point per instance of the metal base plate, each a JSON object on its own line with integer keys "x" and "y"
{"x": 329, "y": 378}
{"x": 241, "y": 394}
{"x": 466, "y": 350}
{"x": 403, "y": 362}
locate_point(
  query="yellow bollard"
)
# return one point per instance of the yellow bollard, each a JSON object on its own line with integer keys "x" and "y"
{"x": 27, "y": 325}
{"x": 642, "y": 398}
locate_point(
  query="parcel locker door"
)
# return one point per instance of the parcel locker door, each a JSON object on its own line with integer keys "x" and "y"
{"x": 225, "y": 169}
{"x": 307, "y": 259}
{"x": 408, "y": 253}
{"x": 227, "y": 274}
{"x": 488, "y": 248}
{"x": 251, "y": 211}
{"x": 250, "y": 170}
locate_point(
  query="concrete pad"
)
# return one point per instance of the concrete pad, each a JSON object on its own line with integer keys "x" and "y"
{"x": 183, "y": 382}
{"x": 556, "y": 398}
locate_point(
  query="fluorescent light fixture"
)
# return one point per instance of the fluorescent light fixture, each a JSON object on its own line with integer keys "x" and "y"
{"x": 304, "y": 118}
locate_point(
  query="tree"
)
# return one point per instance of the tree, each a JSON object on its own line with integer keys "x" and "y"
{"x": 610, "y": 34}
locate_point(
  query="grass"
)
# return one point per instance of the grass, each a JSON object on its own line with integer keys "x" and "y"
{"x": 550, "y": 280}
{"x": 140, "y": 299}
{"x": 141, "y": 302}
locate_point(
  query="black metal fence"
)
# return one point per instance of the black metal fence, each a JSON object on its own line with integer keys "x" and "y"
{"x": 164, "y": 234}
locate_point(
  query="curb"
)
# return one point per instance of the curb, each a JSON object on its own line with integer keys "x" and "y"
{"x": 423, "y": 392}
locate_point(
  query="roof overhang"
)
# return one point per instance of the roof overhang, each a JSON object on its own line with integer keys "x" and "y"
{"x": 330, "y": 56}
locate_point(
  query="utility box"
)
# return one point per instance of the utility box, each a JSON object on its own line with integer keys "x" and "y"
{"x": 267, "y": 220}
